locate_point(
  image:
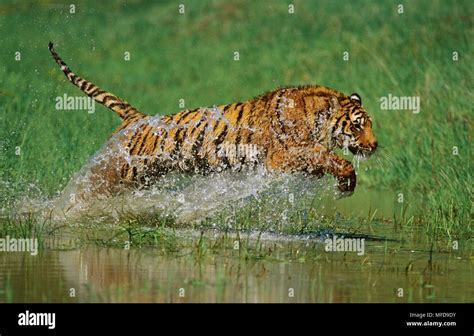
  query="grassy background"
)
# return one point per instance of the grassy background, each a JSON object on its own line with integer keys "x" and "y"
{"x": 191, "y": 56}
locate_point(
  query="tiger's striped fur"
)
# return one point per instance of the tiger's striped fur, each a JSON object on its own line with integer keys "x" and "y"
{"x": 294, "y": 129}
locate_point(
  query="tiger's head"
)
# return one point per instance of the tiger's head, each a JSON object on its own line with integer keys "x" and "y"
{"x": 351, "y": 126}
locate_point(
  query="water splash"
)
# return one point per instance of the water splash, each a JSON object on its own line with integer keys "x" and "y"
{"x": 187, "y": 198}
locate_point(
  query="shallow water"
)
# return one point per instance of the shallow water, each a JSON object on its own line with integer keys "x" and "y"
{"x": 143, "y": 275}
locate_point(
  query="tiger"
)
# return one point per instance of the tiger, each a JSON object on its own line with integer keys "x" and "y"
{"x": 290, "y": 129}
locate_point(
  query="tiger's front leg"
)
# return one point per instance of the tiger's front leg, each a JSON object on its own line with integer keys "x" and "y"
{"x": 317, "y": 160}
{"x": 345, "y": 174}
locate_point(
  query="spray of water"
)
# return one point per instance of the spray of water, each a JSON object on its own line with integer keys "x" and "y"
{"x": 187, "y": 198}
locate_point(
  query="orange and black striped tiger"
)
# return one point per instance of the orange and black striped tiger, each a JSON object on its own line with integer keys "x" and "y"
{"x": 290, "y": 129}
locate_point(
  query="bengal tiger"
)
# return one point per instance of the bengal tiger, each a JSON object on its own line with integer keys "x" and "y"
{"x": 289, "y": 129}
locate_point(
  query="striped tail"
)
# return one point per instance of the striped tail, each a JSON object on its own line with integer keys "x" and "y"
{"x": 122, "y": 108}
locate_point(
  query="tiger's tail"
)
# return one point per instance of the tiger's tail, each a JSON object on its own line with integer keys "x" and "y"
{"x": 122, "y": 108}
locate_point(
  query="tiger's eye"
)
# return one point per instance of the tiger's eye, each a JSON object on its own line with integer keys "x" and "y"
{"x": 357, "y": 124}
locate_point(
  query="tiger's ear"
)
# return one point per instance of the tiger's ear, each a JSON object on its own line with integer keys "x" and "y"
{"x": 355, "y": 97}
{"x": 333, "y": 105}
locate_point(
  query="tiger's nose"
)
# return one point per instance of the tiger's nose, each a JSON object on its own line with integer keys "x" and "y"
{"x": 374, "y": 145}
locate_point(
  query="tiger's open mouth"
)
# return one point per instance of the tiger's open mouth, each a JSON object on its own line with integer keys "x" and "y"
{"x": 362, "y": 152}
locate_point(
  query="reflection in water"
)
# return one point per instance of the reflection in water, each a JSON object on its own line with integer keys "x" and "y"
{"x": 142, "y": 275}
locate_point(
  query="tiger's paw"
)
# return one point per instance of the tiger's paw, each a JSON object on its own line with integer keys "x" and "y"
{"x": 346, "y": 184}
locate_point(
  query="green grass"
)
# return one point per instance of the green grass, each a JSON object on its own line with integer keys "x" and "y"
{"x": 191, "y": 56}
{"x": 26, "y": 227}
